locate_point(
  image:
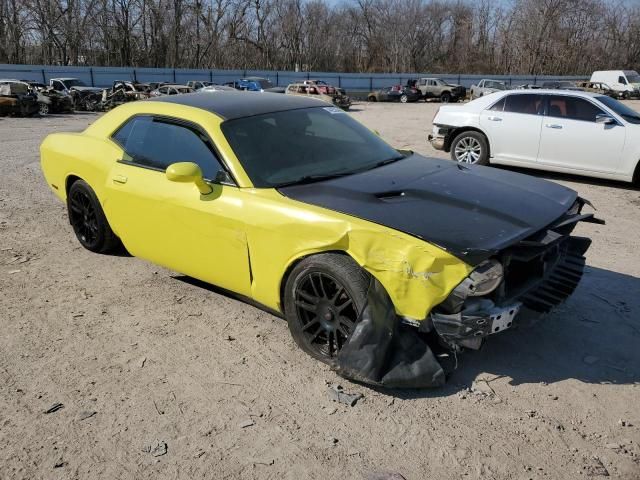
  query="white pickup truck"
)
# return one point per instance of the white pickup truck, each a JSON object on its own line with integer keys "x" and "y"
{"x": 487, "y": 86}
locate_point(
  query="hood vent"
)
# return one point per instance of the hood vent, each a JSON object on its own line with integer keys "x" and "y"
{"x": 391, "y": 196}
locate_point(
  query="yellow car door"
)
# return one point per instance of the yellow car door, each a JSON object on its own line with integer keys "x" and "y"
{"x": 172, "y": 223}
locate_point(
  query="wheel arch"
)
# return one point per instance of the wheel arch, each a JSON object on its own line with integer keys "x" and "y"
{"x": 636, "y": 175}
{"x": 70, "y": 180}
{"x": 458, "y": 130}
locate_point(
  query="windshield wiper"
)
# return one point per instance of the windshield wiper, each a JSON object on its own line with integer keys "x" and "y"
{"x": 329, "y": 176}
{"x": 388, "y": 161}
{"x": 314, "y": 178}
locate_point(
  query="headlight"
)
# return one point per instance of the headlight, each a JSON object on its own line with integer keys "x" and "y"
{"x": 485, "y": 278}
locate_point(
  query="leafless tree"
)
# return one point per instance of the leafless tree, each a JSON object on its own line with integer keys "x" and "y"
{"x": 439, "y": 36}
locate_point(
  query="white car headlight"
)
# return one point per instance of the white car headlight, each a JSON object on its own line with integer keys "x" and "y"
{"x": 486, "y": 278}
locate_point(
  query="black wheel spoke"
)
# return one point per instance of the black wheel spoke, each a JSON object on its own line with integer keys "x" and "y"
{"x": 344, "y": 305}
{"x": 326, "y": 311}
{"x": 308, "y": 326}
{"x": 308, "y": 297}
{"x": 314, "y": 336}
{"x": 306, "y": 306}
{"x": 339, "y": 292}
{"x": 313, "y": 286}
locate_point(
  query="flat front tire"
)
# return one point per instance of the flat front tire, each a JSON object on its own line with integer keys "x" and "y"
{"x": 470, "y": 147}
{"x": 88, "y": 220}
{"x": 323, "y": 298}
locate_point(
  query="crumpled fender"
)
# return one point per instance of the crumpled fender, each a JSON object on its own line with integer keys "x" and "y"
{"x": 416, "y": 275}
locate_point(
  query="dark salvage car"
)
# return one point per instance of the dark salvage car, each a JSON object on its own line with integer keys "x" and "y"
{"x": 373, "y": 255}
{"x": 16, "y": 100}
{"x": 123, "y": 91}
{"x": 50, "y": 100}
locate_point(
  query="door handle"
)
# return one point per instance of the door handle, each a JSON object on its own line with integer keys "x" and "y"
{"x": 553, "y": 125}
{"x": 495, "y": 119}
{"x": 120, "y": 179}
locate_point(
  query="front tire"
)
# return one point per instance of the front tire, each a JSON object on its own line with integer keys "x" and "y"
{"x": 404, "y": 99}
{"x": 323, "y": 298}
{"x": 88, "y": 220}
{"x": 43, "y": 108}
{"x": 470, "y": 147}
{"x": 445, "y": 97}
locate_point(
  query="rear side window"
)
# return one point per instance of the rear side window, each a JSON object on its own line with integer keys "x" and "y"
{"x": 157, "y": 143}
{"x": 523, "y": 103}
{"x": 573, "y": 108}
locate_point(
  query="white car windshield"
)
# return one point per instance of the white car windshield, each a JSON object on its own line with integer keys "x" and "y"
{"x": 621, "y": 109}
{"x": 496, "y": 85}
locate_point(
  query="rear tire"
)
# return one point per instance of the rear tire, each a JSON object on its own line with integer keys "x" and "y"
{"x": 323, "y": 298}
{"x": 470, "y": 147}
{"x": 88, "y": 220}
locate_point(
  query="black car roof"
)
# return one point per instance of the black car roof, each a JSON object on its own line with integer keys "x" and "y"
{"x": 232, "y": 105}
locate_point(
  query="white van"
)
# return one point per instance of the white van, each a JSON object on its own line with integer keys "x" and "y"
{"x": 626, "y": 81}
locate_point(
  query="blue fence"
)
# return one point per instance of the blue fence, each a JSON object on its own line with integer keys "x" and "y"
{"x": 105, "y": 76}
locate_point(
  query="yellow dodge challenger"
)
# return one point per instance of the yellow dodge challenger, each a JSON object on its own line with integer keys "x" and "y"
{"x": 295, "y": 205}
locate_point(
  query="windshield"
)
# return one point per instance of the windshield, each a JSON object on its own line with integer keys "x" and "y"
{"x": 633, "y": 78}
{"x": 303, "y": 145}
{"x": 496, "y": 85}
{"x": 621, "y": 109}
{"x": 74, "y": 82}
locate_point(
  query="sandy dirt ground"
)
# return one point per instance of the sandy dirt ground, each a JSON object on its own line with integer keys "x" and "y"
{"x": 162, "y": 378}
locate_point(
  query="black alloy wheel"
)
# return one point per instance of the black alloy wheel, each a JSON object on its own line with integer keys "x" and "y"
{"x": 82, "y": 215}
{"x": 326, "y": 311}
{"x": 324, "y": 296}
{"x": 88, "y": 220}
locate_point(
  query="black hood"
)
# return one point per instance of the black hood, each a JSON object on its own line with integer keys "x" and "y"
{"x": 470, "y": 211}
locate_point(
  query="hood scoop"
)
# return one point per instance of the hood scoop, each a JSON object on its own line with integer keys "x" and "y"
{"x": 392, "y": 196}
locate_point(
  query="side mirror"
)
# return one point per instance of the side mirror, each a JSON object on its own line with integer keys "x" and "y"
{"x": 188, "y": 172}
{"x": 605, "y": 119}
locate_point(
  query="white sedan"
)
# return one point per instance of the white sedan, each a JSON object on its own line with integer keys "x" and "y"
{"x": 562, "y": 131}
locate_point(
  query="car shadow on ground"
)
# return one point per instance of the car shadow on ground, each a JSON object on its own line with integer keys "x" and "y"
{"x": 601, "y": 182}
{"x": 592, "y": 338}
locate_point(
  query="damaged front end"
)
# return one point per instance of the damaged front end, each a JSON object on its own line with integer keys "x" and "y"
{"x": 537, "y": 273}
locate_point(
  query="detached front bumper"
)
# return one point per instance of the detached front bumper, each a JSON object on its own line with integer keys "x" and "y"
{"x": 539, "y": 273}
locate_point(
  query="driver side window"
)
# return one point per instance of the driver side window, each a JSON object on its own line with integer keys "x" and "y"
{"x": 156, "y": 143}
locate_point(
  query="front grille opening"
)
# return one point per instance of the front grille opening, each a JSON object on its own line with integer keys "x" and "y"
{"x": 524, "y": 272}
